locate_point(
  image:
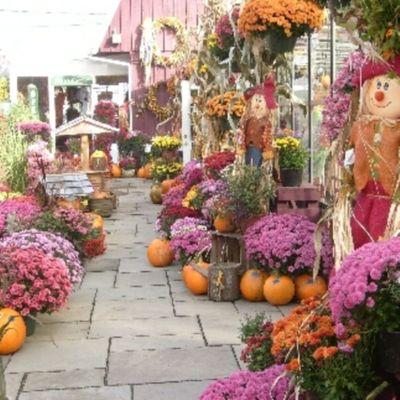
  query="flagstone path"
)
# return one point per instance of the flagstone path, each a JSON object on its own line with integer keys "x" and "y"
{"x": 131, "y": 331}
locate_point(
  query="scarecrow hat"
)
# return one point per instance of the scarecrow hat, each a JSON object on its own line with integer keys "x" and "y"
{"x": 267, "y": 89}
{"x": 373, "y": 69}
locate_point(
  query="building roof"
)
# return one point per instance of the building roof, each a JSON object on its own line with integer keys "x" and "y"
{"x": 45, "y": 36}
{"x": 84, "y": 126}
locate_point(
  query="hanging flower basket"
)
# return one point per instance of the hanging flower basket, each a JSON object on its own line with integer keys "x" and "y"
{"x": 279, "y": 43}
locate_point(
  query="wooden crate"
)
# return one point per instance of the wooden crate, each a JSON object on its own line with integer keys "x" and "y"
{"x": 224, "y": 281}
{"x": 227, "y": 247}
{"x": 303, "y": 200}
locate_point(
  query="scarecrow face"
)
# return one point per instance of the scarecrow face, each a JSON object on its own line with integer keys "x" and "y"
{"x": 258, "y": 105}
{"x": 382, "y": 97}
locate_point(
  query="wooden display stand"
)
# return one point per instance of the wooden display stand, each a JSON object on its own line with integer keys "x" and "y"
{"x": 227, "y": 265}
{"x": 304, "y": 200}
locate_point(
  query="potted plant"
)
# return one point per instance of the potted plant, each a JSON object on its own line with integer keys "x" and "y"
{"x": 223, "y": 213}
{"x": 165, "y": 147}
{"x": 128, "y": 166}
{"x": 293, "y": 158}
{"x": 250, "y": 193}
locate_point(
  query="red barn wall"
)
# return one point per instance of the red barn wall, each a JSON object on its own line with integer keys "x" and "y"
{"x": 127, "y": 21}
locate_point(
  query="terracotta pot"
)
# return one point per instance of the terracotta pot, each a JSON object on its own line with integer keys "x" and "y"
{"x": 291, "y": 177}
{"x": 244, "y": 224}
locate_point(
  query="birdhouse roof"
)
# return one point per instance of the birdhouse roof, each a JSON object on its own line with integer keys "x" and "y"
{"x": 84, "y": 126}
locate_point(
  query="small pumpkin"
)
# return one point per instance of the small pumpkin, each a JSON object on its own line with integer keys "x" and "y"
{"x": 307, "y": 287}
{"x": 100, "y": 195}
{"x": 141, "y": 173}
{"x": 166, "y": 185}
{"x": 64, "y": 203}
{"x": 13, "y": 331}
{"x": 279, "y": 290}
{"x": 224, "y": 224}
{"x": 116, "y": 171}
{"x": 252, "y": 284}
{"x": 148, "y": 169}
{"x": 159, "y": 253}
{"x": 194, "y": 280}
{"x": 97, "y": 220}
{"x": 155, "y": 194}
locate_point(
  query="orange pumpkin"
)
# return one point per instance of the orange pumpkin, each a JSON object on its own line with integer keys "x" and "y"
{"x": 279, "y": 290}
{"x": 166, "y": 185}
{"x": 148, "y": 169}
{"x": 14, "y": 332}
{"x": 194, "y": 280}
{"x": 64, "y": 203}
{"x": 252, "y": 284}
{"x": 97, "y": 220}
{"x": 100, "y": 195}
{"x": 159, "y": 253}
{"x": 116, "y": 171}
{"x": 224, "y": 224}
{"x": 306, "y": 287}
{"x": 141, "y": 173}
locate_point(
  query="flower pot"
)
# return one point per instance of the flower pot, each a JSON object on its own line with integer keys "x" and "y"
{"x": 291, "y": 177}
{"x": 30, "y": 325}
{"x": 279, "y": 43}
{"x": 169, "y": 155}
{"x": 388, "y": 352}
{"x": 128, "y": 173}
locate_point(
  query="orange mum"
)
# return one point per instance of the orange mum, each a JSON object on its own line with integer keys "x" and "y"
{"x": 291, "y": 16}
{"x": 221, "y": 105}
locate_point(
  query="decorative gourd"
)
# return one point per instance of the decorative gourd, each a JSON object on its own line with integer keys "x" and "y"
{"x": 159, "y": 253}
{"x": 306, "y": 287}
{"x": 14, "y": 333}
{"x": 155, "y": 194}
{"x": 99, "y": 160}
{"x": 116, "y": 171}
{"x": 64, "y": 203}
{"x": 224, "y": 224}
{"x": 326, "y": 81}
{"x": 279, "y": 290}
{"x": 252, "y": 285}
{"x": 166, "y": 185}
{"x": 195, "y": 281}
{"x": 100, "y": 195}
{"x": 97, "y": 220}
{"x": 141, "y": 173}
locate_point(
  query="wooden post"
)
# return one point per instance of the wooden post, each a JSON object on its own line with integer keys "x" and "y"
{"x": 224, "y": 281}
{"x": 85, "y": 153}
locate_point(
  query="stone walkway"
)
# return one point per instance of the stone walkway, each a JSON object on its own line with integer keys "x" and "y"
{"x": 131, "y": 331}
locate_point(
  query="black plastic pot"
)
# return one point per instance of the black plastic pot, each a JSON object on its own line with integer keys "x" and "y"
{"x": 279, "y": 43}
{"x": 388, "y": 352}
{"x": 291, "y": 177}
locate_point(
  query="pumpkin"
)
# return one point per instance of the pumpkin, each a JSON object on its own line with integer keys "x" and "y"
{"x": 252, "y": 284}
{"x": 159, "y": 253}
{"x": 195, "y": 281}
{"x": 279, "y": 290}
{"x": 141, "y": 173}
{"x": 64, "y": 203}
{"x": 224, "y": 224}
{"x": 307, "y": 287}
{"x": 116, "y": 171}
{"x": 155, "y": 194}
{"x": 13, "y": 330}
{"x": 97, "y": 220}
{"x": 100, "y": 195}
{"x": 148, "y": 169}
{"x": 166, "y": 185}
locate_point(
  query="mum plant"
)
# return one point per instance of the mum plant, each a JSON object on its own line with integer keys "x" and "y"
{"x": 34, "y": 130}
{"x": 129, "y": 163}
{"x": 49, "y": 243}
{"x": 161, "y": 170}
{"x": 216, "y": 162}
{"x": 164, "y": 143}
{"x": 32, "y": 282}
{"x": 106, "y": 111}
{"x": 190, "y": 239}
{"x": 285, "y": 244}
{"x": 292, "y": 154}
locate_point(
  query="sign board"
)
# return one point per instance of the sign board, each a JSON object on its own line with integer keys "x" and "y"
{"x": 72, "y": 80}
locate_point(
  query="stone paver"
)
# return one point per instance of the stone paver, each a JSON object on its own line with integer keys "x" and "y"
{"x": 131, "y": 331}
{"x": 78, "y": 378}
{"x": 170, "y": 365}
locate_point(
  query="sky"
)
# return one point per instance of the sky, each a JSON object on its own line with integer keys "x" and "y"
{"x": 33, "y": 31}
